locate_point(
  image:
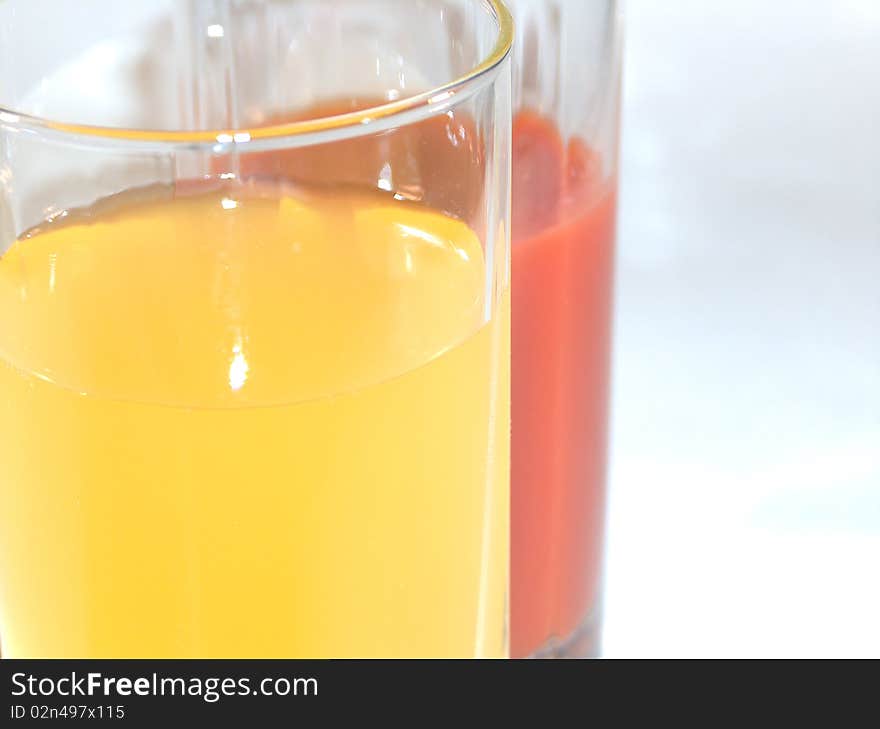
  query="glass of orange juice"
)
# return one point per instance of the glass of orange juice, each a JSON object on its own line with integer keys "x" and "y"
{"x": 254, "y": 328}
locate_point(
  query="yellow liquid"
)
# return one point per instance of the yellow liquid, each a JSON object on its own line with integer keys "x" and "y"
{"x": 252, "y": 424}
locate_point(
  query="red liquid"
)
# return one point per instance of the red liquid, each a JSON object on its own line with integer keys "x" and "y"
{"x": 563, "y": 246}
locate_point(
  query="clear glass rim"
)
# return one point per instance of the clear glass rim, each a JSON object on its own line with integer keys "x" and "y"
{"x": 300, "y": 133}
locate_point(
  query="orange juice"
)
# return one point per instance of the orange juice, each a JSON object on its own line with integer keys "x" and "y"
{"x": 266, "y": 422}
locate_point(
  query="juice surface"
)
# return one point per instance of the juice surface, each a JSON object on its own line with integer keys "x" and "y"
{"x": 562, "y": 270}
{"x": 256, "y": 421}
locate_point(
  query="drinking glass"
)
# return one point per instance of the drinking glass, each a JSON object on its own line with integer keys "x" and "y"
{"x": 254, "y": 398}
{"x": 565, "y": 136}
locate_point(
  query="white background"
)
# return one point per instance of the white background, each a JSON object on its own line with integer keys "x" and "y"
{"x": 745, "y": 476}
